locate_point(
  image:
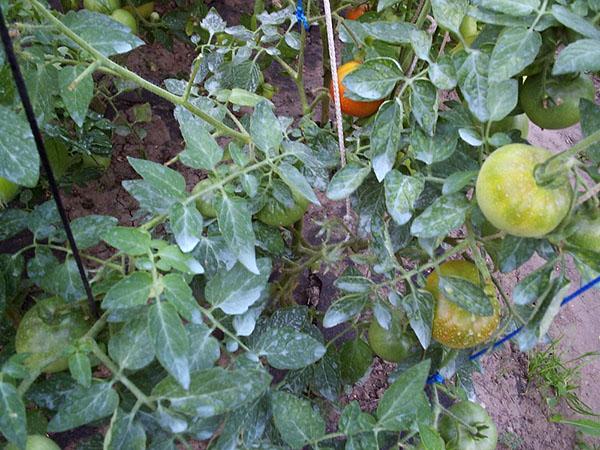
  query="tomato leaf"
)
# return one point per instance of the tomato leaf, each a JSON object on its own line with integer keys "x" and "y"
{"x": 580, "y": 56}
{"x": 297, "y": 182}
{"x": 343, "y": 309}
{"x": 531, "y": 288}
{"x": 502, "y": 98}
{"x": 133, "y": 241}
{"x": 327, "y": 379}
{"x": 19, "y": 160}
{"x": 13, "y": 421}
{"x": 214, "y": 391}
{"x": 575, "y": 22}
{"x": 187, "y": 225}
{"x": 404, "y": 399}
{"x": 346, "y": 181}
{"x": 515, "y": 251}
{"x": 235, "y": 223}
{"x": 466, "y": 295}
{"x": 88, "y": 230}
{"x": 265, "y": 128}
{"x": 234, "y": 291}
{"x": 125, "y": 433}
{"x": 107, "y": 36}
{"x": 373, "y": 80}
{"x": 590, "y": 122}
{"x": 419, "y": 307}
{"x": 171, "y": 342}
{"x": 201, "y": 149}
{"x": 515, "y": 49}
{"x": 131, "y": 291}
{"x": 430, "y": 438}
{"x": 80, "y": 368}
{"x": 472, "y": 77}
{"x": 12, "y": 221}
{"x": 401, "y": 194}
{"x": 449, "y": 13}
{"x": 131, "y": 346}
{"x": 385, "y": 138}
{"x": 76, "y": 100}
{"x": 84, "y": 405}
{"x": 287, "y": 348}
{"x": 437, "y": 148}
{"x": 425, "y": 104}
{"x": 512, "y": 7}
{"x": 445, "y": 214}
{"x": 205, "y": 349}
{"x": 296, "y": 420}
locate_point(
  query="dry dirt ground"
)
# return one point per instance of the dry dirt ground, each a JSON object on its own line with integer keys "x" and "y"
{"x": 517, "y": 408}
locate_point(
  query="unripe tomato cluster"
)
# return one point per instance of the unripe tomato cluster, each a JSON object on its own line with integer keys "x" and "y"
{"x": 125, "y": 15}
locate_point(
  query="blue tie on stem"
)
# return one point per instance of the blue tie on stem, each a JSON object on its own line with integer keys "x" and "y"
{"x": 301, "y": 16}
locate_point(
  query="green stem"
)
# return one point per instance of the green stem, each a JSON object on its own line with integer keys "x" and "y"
{"x": 224, "y": 329}
{"x": 110, "y": 365}
{"x": 548, "y": 171}
{"x": 143, "y": 83}
{"x": 90, "y": 257}
{"x": 88, "y": 71}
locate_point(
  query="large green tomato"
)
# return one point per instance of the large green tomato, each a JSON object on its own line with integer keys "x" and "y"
{"x": 459, "y": 437}
{"x": 102, "y": 6}
{"x": 36, "y": 442}
{"x": 510, "y": 198}
{"x": 454, "y": 326}
{"x": 8, "y": 191}
{"x": 206, "y": 202}
{"x": 518, "y": 122}
{"x": 47, "y": 328}
{"x": 279, "y": 215}
{"x": 586, "y": 231}
{"x": 553, "y": 103}
{"x": 126, "y": 18}
{"x": 394, "y": 344}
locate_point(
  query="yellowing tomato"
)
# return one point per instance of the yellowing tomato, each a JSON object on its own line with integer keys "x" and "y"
{"x": 510, "y": 198}
{"x": 206, "y": 202}
{"x": 454, "y": 326}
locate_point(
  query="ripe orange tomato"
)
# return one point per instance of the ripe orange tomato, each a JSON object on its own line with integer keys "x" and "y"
{"x": 454, "y": 326}
{"x": 357, "y": 12}
{"x": 352, "y": 107}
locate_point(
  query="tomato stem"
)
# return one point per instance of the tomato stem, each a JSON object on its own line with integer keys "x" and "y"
{"x": 548, "y": 171}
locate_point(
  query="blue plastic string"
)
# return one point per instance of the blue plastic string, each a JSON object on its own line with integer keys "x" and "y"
{"x": 439, "y": 379}
{"x": 301, "y": 16}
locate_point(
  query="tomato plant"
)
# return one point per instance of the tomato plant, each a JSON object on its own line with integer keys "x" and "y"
{"x": 36, "y": 442}
{"x": 218, "y": 320}
{"x": 126, "y": 18}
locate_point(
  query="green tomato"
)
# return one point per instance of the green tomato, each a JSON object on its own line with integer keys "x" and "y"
{"x": 518, "y": 122}
{"x": 586, "y": 232}
{"x": 394, "y": 344}
{"x": 206, "y": 202}
{"x": 47, "y": 328}
{"x": 102, "y": 6}
{"x": 8, "y": 191}
{"x": 459, "y": 437}
{"x": 468, "y": 29}
{"x": 355, "y": 358}
{"x": 278, "y": 215}
{"x": 454, "y": 326}
{"x": 553, "y": 103}
{"x": 510, "y": 198}
{"x": 36, "y": 442}
{"x": 126, "y": 18}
